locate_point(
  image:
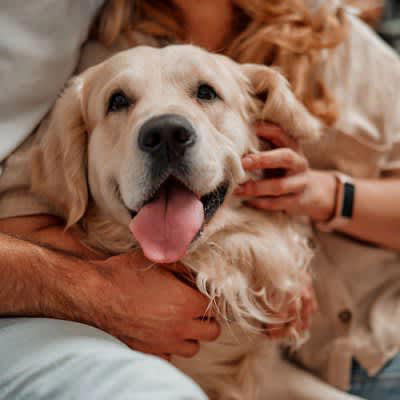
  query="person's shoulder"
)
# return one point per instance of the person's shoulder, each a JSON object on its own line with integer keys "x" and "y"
{"x": 363, "y": 61}
{"x": 363, "y": 35}
{"x": 363, "y": 75}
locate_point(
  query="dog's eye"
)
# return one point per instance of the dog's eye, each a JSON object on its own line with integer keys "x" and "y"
{"x": 206, "y": 92}
{"x": 118, "y": 101}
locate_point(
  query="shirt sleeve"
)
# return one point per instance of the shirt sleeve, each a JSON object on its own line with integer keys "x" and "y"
{"x": 391, "y": 163}
{"x": 363, "y": 74}
{"x": 39, "y": 47}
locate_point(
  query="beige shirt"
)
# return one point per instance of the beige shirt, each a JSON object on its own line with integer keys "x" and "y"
{"x": 358, "y": 285}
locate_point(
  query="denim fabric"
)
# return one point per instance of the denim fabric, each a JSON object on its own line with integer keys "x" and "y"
{"x": 383, "y": 386}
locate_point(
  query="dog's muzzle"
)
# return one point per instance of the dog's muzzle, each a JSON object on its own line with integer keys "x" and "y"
{"x": 172, "y": 215}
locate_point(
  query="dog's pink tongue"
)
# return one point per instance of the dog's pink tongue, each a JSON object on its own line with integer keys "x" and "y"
{"x": 165, "y": 227}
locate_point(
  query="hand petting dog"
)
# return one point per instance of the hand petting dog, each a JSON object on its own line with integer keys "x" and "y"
{"x": 296, "y": 190}
{"x": 298, "y": 314}
{"x": 299, "y": 190}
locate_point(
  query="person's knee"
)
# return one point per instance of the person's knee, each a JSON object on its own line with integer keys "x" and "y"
{"x": 145, "y": 376}
{"x": 60, "y": 360}
{"x": 121, "y": 375}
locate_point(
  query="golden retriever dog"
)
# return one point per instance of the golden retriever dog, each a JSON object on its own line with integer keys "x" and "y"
{"x": 144, "y": 150}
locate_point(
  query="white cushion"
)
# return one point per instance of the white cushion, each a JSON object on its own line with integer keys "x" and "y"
{"x": 39, "y": 49}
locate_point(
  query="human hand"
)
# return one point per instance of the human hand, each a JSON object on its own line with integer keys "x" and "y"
{"x": 298, "y": 314}
{"x": 149, "y": 308}
{"x": 299, "y": 190}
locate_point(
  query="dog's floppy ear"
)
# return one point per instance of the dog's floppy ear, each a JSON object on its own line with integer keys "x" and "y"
{"x": 59, "y": 161}
{"x": 277, "y": 103}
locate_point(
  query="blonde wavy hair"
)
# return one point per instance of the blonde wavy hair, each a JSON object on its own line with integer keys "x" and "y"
{"x": 280, "y": 33}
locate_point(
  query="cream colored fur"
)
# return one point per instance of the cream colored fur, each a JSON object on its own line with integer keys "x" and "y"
{"x": 85, "y": 166}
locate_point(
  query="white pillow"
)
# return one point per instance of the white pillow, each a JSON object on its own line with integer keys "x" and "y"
{"x": 39, "y": 49}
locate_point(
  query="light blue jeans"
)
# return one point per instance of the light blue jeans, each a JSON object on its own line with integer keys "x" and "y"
{"x": 384, "y": 386}
{"x": 44, "y": 359}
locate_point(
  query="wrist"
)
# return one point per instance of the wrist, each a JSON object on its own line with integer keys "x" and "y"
{"x": 344, "y": 204}
{"x": 60, "y": 286}
{"x": 27, "y": 278}
{"x": 72, "y": 289}
{"x": 324, "y": 204}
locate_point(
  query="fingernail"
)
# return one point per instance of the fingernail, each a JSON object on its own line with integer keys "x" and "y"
{"x": 247, "y": 162}
{"x": 239, "y": 190}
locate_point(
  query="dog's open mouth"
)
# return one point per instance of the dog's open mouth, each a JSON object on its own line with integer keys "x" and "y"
{"x": 169, "y": 221}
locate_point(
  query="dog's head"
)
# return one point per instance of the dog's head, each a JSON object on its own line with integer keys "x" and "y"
{"x": 154, "y": 138}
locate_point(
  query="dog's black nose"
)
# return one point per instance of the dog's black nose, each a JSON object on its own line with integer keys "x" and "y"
{"x": 168, "y": 135}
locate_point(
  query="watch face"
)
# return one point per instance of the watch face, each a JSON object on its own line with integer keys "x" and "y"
{"x": 348, "y": 200}
{"x": 345, "y": 192}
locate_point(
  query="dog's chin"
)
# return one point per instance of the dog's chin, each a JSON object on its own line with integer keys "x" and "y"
{"x": 171, "y": 219}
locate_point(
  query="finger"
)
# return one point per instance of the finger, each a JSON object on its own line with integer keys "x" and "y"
{"x": 197, "y": 304}
{"x": 187, "y": 349}
{"x": 277, "y": 331}
{"x": 183, "y": 348}
{"x": 202, "y": 308}
{"x": 177, "y": 344}
{"x": 178, "y": 268}
{"x": 181, "y": 272}
{"x": 314, "y": 304}
{"x": 138, "y": 345}
{"x": 276, "y": 135}
{"x": 305, "y": 317}
{"x": 206, "y": 331}
{"x": 274, "y": 186}
{"x": 307, "y": 313}
{"x": 283, "y": 203}
{"x": 279, "y": 158}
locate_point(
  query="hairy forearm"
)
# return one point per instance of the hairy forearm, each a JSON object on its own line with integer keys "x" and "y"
{"x": 147, "y": 308}
{"x": 19, "y": 295}
{"x": 376, "y": 214}
{"x": 36, "y": 281}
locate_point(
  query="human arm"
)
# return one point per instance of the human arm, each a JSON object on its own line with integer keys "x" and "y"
{"x": 305, "y": 191}
{"x": 147, "y": 308}
{"x": 35, "y": 64}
